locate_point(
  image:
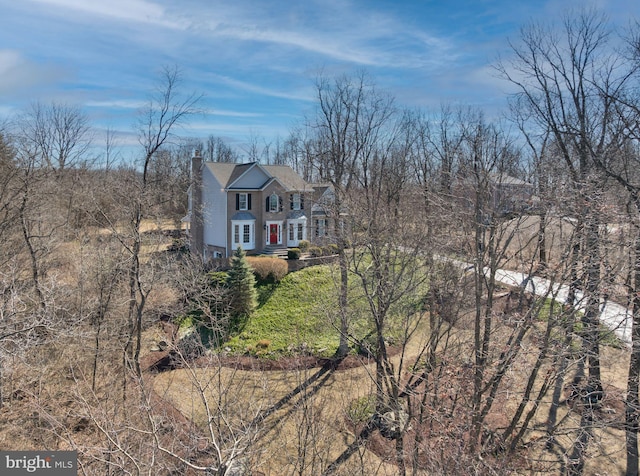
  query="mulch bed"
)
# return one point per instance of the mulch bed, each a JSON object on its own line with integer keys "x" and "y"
{"x": 247, "y": 362}
{"x": 166, "y": 360}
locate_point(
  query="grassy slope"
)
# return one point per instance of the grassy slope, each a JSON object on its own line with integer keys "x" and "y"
{"x": 294, "y": 315}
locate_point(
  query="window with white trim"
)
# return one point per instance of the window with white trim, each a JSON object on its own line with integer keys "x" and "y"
{"x": 243, "y": 201}
{"x": 296, "y": 201}
{"x": 273, "y": 203}
{"x": 321, "y": 227}
{"x": 297, "y": 231}
{"x": 244, "y": 234}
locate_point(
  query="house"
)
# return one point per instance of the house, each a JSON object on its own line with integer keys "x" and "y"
{"x": 322, "y": 230}
{"x": 249, "y": 205}
{"x": 503, "y": 195}
{"x": 510, "y": 195}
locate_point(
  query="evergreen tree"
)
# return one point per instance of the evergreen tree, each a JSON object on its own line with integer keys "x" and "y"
{"x": 242, "y": 291}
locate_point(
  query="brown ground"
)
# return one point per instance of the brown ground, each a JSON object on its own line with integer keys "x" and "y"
{"x": 301, "y": 402}
{"x": 329, "y": 387}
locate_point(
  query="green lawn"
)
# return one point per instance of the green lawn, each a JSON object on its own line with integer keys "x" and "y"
{"x": 295, "y": 315}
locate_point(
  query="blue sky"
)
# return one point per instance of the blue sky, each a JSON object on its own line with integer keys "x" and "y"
{"x": 256, "y": 61}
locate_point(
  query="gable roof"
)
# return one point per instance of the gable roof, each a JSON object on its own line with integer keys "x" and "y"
{"x": 324, "y": 197}
{"x": 238, "y": 171}
{"x": 228, "y": 174}
{"x": 221, "y": 171}
{"x": 287, "y": 177}
{"x": 505, "y": 179}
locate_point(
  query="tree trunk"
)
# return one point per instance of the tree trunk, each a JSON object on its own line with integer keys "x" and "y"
{"x": 35, "y": 267}
{"x": 591, "y": 318}
{"x": 343, "y": 348}
{"x": 632, "y": 402}
{"x": 542, "y": 240}
{"x": 563, "y": 360}
{"x": 479, "y": 343}
{"x": 96, "y": 353}
{"x": 575, "y": 467}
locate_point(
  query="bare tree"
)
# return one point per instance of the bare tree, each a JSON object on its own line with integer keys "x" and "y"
{"x": 60, "y": 132}
{"x": 166, "y": 111}
{"x": 47, "y": 142}
{"x": 350, "y": 118}
{"x": 620, "y": 162}
{"x": 253, "y": 150}
{"x": 13, "y": 326}
{"x": 106, "y": 275}
{"x": 299, "y": 151}
{"x": 8, "y": 189}
{"x": 217, "y": 150}
{"x": 169, "y": 179}
{"x": 487, "y": 153}
{"x": 567, "y": 84}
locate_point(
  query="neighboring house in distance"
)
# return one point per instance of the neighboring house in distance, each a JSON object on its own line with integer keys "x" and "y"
{"x": 511, "y": 195}
{"x": 249, "y": 205}
{"x": 506, "y": 195}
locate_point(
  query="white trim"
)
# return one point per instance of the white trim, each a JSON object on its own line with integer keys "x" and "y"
{"x": 273, "y": 196}
{"x": 246, "y": 201}
{"x": 242, "y": 234}
{"x": 296, "y": 201}
{"x": 267, "y": 239}
{"x": 298, "y": 224}
{"x": 321, "y": 227}
{"x": 226, "y": 221}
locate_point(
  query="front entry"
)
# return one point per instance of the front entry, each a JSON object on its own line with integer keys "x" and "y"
{"x": 273, "y": 234}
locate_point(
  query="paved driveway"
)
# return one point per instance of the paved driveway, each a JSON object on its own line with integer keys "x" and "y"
{"x": 616, "y": 317}
{"x": 613, "y": 315}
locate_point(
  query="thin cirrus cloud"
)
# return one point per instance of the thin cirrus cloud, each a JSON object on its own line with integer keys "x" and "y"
{"x": 117, "y": 104}
{"x": 355, "y": 39}
{"x": 141, "y": 11}
{"x": 255, "y": 61}
{"x": 353, "y": 36}
{"x": 323, "y": 45}
{"x": 228, "y": 113}
{"x": 258, "y": 89}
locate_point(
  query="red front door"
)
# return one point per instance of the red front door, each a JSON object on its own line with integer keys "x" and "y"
{"x": 273, "y": 234}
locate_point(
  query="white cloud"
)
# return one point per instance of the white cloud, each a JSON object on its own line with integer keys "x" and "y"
{"x": 117, "y": 104}
{"x": 346, "y": 33}
{"x": 237, "y": 131}
{"x": 17, "y": 74}
{"x": 323, "y": 45}
{"x": 125, "y": 10}
{"x": 227, "y": 113}
{"x": 9, "y": 59}
{"x": 254, "y": 88}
